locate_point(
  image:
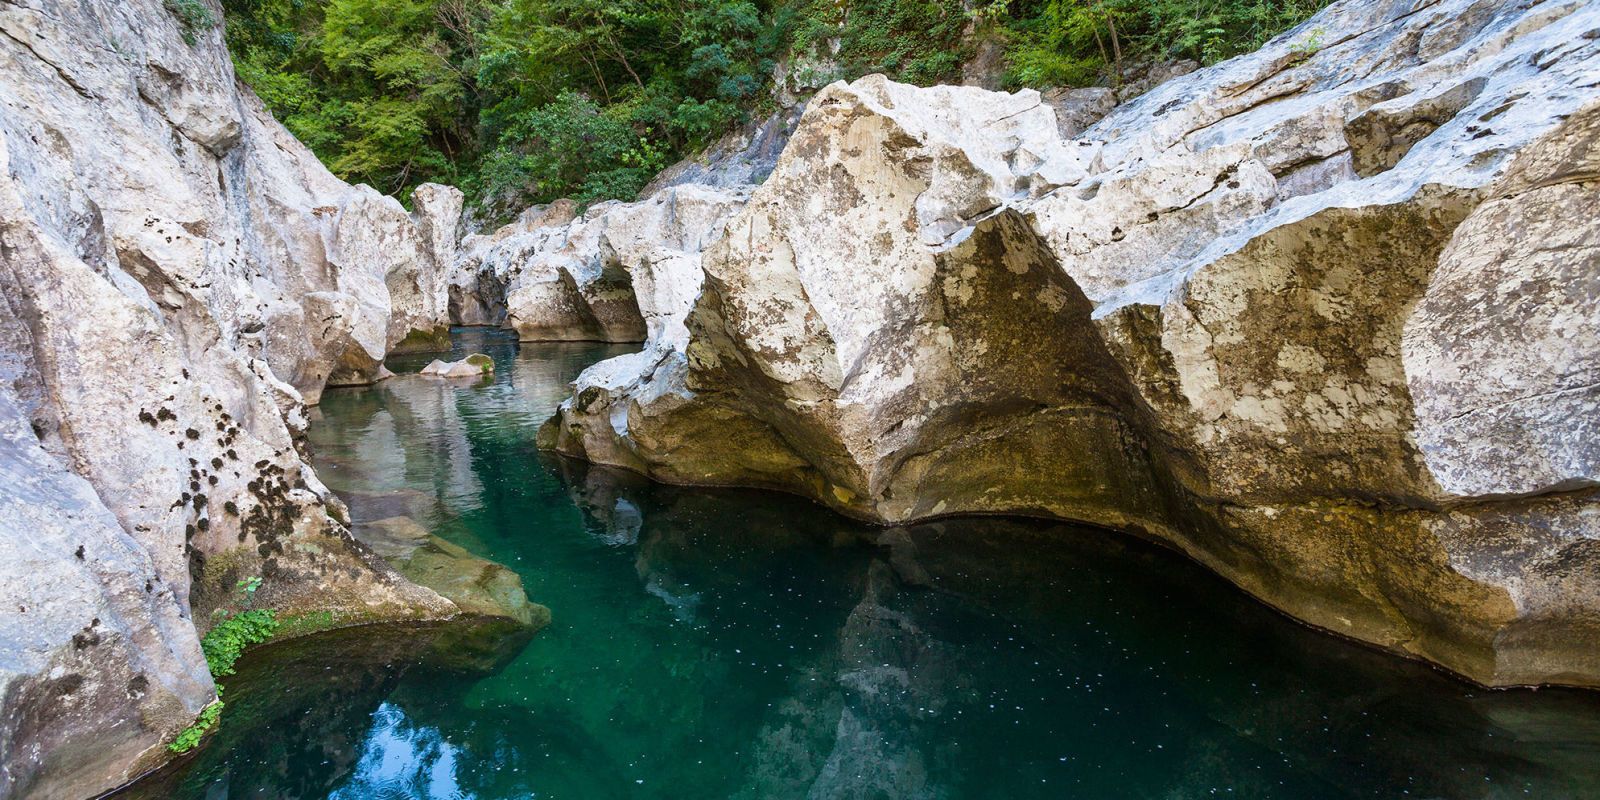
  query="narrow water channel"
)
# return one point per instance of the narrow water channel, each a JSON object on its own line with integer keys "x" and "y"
{"x": 735, "y": 644}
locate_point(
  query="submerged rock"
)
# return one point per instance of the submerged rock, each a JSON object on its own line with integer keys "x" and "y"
{"x": 499, "y": 619}
{"x": 1319, "y": 316}
{"x": 476, "y": 365}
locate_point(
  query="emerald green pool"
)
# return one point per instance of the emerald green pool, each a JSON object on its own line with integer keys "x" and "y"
{"x": 736, "y": 644}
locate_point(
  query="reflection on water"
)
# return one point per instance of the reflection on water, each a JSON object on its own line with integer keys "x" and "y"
{"x": 730, "y": 644}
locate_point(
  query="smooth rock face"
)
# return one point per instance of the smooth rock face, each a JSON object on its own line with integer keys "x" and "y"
{"x": 179, "y": 277}
{"x": 1321, "y": 317}
{"x": 744, "y": 157}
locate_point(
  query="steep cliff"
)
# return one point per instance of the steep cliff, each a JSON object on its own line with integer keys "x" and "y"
{"x": 179, "y": 277}
{"x": 1323, "y": 317}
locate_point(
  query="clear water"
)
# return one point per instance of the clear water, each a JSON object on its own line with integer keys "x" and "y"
{"x": 733, "y": 644}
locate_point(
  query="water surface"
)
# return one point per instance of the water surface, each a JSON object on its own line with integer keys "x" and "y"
{"x": 733, "y": 644}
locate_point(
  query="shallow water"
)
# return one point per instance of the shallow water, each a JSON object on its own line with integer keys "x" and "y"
{"x": 733, "y": 644}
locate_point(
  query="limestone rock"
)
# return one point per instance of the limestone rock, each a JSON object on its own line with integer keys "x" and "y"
{"x": 1320, "y": 316}
{"x": 476, "y": 365}
{"x": 743, "y": 157}
{"x": 179, "y": 278}
{"x": 1077, "y": 109}
{"x": 590, "y": 277}
{"x": 476, "y": 586}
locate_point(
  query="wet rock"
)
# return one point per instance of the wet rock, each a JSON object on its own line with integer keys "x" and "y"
{"x": 495, "y": 620}
{"x": 476, "y": 365}
{"x": 475, "y": 585}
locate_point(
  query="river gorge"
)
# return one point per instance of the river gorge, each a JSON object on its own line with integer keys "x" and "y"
{"x": 1231, "y": 430}
{"x": 732, "y": 643}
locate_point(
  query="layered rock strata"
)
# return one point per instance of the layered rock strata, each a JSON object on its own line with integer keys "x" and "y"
{"x": 1322, "y": 317}
{"x": 179, "y": 278}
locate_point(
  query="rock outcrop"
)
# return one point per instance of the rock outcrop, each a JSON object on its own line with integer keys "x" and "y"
{"x": 557, "y": 275}
{"x": 179, "y": 278}
{"x": 476, "y": 365}
{"x": 1322, "y": 317}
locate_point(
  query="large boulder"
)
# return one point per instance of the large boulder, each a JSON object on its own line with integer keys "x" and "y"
{"x": 180, "y": 278}
{"x": 1321, "y": 317}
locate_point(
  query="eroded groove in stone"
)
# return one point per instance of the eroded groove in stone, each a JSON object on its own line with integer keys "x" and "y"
{"x": 1322, "y": 319}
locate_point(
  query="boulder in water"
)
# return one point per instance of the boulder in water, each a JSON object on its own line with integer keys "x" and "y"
{"x": 476, "y": 365}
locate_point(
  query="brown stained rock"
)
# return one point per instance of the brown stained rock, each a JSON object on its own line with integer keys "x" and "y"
{"x": 1367, "y": 401}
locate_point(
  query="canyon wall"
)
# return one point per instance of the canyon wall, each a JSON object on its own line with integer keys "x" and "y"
{"x": 555, "y": 274}
{"x": 1323, "y": 317}
{"x": 179, "y": 278}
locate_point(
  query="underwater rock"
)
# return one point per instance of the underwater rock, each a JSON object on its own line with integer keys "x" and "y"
{"x": 476, "y": 365}
{"x": 498, "y": 618}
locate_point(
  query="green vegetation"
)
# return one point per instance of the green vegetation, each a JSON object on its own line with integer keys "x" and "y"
{"x": 222, "y": 645}
{"x": 193, "y": 15}
{"x": 1076, "y": 42}
{"x": 304, "y": 624}
{"x": 190, "y": 737}
{"x": 524, "y": 101}
{"x": 227, "y": 639}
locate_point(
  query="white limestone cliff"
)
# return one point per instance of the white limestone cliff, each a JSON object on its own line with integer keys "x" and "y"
{"x": 179, "y": 278}
{"x": 1321, "y": 317}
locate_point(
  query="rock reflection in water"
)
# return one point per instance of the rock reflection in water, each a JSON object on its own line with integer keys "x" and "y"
{"x": 1079, "y": 658}
{"x": 734, "y": 644}
{"x": 297, "y": 718}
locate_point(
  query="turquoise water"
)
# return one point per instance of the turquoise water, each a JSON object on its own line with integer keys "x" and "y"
{"x": 733, "y": 644}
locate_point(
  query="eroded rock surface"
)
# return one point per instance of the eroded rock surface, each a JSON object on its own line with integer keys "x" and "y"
{"x": 179, "y": 278}
{"x": 557, "y": 275}
{"x": 1322, "y": 317}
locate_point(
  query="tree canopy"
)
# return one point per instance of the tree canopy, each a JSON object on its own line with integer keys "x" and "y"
{"x": 523, "y": 101}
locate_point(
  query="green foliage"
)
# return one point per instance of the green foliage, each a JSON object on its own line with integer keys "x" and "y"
{"x": 222, "y": 646}
{"x": 193, "y": 15}
{"x": 247, "y": 588}
{"x": 914, "y": 41}
{"x": 1310, "y": 43}
{"x": 188, "y": 738}
{"x": 1077, "y": 42}
{"x": 526, "y": 101}
{"x": 589, "y": 100}
{"x": 229, "y": 637}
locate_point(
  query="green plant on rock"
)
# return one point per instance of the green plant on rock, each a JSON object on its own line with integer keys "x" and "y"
{"x": 193, "y": 15}
{"x": 190, "y": 737}
{"x": 230, "y": 635}
{"x": 247, "y": 587}
{"x": 1309, "y": 44}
